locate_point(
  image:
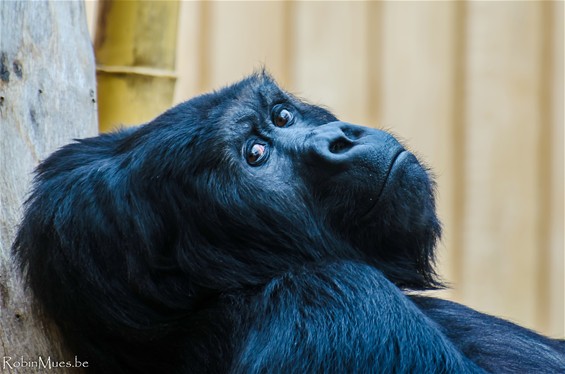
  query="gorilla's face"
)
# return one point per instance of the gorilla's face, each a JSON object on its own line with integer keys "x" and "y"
{"x": 274, "y": 168}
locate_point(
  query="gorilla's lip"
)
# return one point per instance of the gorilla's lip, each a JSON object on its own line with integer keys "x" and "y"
{"x": 397, "y": 159}
{"x": 399, "y": 156}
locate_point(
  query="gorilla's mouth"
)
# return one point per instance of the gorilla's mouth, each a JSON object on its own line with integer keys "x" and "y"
{"x": 395, "y": 167}
{"x": 396, "y": 163}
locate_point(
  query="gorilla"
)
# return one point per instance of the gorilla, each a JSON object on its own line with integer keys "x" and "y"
{"x": 247, "y": 231}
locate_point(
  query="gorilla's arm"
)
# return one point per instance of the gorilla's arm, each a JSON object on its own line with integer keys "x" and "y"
{"x": 494, "y": 344}
{"x": 341, "y": 318}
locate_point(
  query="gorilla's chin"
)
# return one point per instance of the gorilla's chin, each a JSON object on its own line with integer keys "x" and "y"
{"x": 399, "y": 233}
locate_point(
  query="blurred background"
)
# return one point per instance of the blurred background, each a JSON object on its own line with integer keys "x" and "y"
{"x": 474, "y": 88}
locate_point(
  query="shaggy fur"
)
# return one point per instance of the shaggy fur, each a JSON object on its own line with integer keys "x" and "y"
{"x": 247, "y": 231}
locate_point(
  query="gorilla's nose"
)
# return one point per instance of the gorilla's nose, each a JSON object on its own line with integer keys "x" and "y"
{"x": 341, "y": 144}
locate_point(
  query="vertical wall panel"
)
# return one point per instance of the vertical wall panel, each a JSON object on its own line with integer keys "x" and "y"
{"x": 330, "y": 56}
{"x": 419, "y": 95}
{"x": 246, "y": 36}
{"x": 503, "y": 126}
{"x": 189, "y": 57}
{"x": 555, "y": 266}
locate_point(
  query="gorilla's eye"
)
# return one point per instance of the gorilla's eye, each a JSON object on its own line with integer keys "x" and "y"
{"x": 282, "y": 116}
{"x": 256, "y": 154}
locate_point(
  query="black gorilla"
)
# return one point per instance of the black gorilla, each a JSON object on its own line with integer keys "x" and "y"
{"x": 246, "y": 231}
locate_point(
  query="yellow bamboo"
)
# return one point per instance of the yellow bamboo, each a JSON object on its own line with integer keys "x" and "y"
{"x": 135, "y": 48}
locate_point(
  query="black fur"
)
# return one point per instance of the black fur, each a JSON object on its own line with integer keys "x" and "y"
{"x": 177, "y": 247}
{"x": 493, "y": 343}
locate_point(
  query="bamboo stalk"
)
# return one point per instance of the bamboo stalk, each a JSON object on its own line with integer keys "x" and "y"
{"x": 135, "y": 48}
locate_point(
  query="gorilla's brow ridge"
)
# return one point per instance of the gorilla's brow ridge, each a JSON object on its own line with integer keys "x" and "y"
{"x": 270, "y": 94}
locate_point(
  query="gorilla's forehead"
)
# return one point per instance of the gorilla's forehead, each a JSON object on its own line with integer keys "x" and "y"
{"x": 249, "y": 101}
{"x": 258, "y": 92}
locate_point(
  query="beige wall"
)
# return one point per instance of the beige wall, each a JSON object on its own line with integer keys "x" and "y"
{"x": 475, "y": 88}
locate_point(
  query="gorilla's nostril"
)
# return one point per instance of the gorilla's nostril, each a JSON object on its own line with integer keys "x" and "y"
{"x": 340, "y": 146}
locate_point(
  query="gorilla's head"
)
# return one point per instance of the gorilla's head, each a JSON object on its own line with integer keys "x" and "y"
{"x": 224, "y": 191}
{"x": 263, "y": 180}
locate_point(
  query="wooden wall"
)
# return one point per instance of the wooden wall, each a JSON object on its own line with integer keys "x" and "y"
{"x": 474, "y": 88}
